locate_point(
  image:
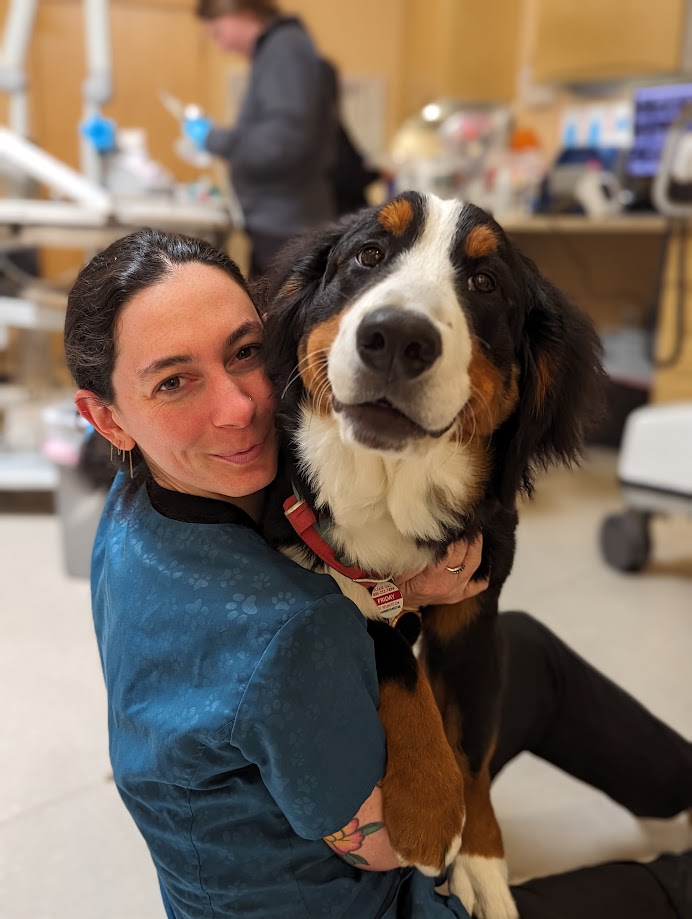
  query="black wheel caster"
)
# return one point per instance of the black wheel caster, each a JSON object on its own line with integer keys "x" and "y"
{"x": 625, "y": 540}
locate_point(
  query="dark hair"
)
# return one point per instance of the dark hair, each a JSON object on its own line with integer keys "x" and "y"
{"x": 212, "y": 9}
{"x": 107, "y": 284}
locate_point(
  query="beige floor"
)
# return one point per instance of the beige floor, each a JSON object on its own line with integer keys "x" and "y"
{"x": 67, "y": 848}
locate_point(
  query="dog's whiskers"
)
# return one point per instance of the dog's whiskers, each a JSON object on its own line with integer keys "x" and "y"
{"x": 300, "y": 366}
{"x": 484, "y": 404}
{"x": 323, "y": 390}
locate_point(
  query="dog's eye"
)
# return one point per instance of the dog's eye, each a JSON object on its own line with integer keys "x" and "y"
{"x": 482, "y": 282}
{"x": 370, "y": 257}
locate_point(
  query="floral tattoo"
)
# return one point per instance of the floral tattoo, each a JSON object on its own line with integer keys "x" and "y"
{"x": 347, "y": 841}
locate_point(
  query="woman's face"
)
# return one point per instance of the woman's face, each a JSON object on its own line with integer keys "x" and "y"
{"x": 190, "y": 387}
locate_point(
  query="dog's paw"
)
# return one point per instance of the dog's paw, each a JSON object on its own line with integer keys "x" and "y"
{"x": 460, "y": 885}
{"x": 481, "y": 885}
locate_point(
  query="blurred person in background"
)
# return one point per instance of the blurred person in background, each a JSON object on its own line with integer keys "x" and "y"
{"x": 281, "y": 148}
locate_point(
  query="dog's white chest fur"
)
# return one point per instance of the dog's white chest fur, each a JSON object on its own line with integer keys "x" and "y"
{"x": 381, "y": 506}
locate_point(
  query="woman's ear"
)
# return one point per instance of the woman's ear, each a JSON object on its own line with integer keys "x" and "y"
{"x": 100, "y": 416}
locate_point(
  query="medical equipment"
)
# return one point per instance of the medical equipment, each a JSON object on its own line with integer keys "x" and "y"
{"x": 654, "y": 467}
{"x": 81, "y": 212}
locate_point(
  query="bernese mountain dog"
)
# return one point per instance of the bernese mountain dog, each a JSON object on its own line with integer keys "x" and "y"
{"x": 425, "y": 370}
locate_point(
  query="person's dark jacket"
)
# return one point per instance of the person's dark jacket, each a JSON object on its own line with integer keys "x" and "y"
{"x": 350, "y": 174}
{"x": 282, "y": 146}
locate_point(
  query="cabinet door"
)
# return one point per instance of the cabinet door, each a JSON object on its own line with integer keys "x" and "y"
{"x": 461, "y": 49}
{"x": 580, "y": 41}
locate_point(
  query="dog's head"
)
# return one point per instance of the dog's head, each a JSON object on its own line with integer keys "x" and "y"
{"x": 419, "y": 322}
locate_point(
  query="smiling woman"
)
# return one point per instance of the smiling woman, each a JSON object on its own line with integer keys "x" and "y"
{"x": 185, "y": 384}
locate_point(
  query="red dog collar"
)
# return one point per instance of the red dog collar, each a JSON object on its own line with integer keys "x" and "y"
{"x": 384, "y": 592}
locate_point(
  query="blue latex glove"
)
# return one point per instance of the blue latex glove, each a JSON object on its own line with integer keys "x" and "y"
{"x": 100, "y": 131}
{"x": 197, "y": 129}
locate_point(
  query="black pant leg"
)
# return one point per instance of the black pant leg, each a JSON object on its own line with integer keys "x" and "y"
{"x": 562, "y": 709}
{"x": 617, "y": 890}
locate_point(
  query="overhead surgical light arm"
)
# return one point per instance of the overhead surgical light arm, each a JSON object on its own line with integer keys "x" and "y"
{"x": 59, "y": 177}
{"x": 97, "y": 88}
{"x": 18, "y": 28}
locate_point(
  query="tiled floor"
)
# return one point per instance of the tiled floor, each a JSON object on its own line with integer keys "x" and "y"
{"x": 67, "y": 848}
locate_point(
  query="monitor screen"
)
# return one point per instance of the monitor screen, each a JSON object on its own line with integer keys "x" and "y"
{"x": 655, "y": 109}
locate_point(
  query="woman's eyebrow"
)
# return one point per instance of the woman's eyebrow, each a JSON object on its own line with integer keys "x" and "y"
{"x": 251, "y": 327}
{"x": 163, "y": 363}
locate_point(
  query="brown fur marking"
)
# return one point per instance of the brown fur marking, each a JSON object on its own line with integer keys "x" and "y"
{"x": 421, "y": 769}
{"x": 397, "y": 217}
{"x": 481, "y": 241}
{"x": 482, "y": 834}
{"x": 313, "y": 354}
{"x": 493, "y": 398}
{"x": 292, "y": 287}
{"x": 445, "y": 622}
{"x": 545, "y": 376}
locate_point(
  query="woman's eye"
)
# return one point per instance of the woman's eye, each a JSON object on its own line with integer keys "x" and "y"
{"x": 370, "y": 257}
{"x": 170, "y": 385}
{"x": 248, "y": 352}
{"x": 482, "y": 283}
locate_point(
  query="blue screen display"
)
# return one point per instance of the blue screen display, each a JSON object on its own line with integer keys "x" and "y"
{"x": 655, "y": 108}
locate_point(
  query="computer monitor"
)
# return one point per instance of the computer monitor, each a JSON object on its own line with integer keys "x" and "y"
{"x": 655, "y": 109}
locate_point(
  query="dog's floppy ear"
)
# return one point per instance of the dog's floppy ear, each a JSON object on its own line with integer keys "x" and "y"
{"x": 292, "y": 283}
{"x": 561, "y": 388}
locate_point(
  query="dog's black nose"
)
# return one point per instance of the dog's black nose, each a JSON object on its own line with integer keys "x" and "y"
{"x": 398, "y": 343}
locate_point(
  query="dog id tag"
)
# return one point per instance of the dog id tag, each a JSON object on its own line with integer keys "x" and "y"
{"x": 388, "y": 599}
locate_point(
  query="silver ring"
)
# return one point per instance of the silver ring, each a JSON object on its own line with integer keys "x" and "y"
{"x": 457, "y": 570}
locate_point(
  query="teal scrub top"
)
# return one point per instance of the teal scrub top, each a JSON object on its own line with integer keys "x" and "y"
{"x": 242, "y": 711}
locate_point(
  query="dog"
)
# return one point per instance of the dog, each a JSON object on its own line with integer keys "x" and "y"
{"x": 425, "y": 370}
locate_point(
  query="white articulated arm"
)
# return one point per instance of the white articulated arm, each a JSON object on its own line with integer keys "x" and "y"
{"x": 18, "y": 28}
{"x": 60, "y": 178}
{"x": 97, "y": 88}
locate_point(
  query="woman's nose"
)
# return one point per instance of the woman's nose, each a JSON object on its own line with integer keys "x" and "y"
{"x": 232, "y": 403}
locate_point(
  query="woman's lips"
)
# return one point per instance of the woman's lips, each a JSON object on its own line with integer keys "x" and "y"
{"x": 243, "y": 457}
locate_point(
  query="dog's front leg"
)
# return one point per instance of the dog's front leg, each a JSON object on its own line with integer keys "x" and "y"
{"x": 461, "y": 651}
{"x": 479, "y": 873}
{"x": 422, "y": 789}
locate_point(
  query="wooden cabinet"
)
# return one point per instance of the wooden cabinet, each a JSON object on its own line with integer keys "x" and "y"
{"x": 155, "y": 45}
{"x": 581, "y": 41}
{"x": 461, "y": 49}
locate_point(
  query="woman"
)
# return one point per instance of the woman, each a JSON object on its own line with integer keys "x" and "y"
{"x": 282, "y": 146}
{"x": 242, "y": 691}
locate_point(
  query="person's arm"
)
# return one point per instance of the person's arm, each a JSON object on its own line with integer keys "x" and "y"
{"x": 309, "y": 718}
{"x": 364, "y": 841}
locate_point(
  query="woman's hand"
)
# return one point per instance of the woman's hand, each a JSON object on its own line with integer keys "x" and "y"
{"x": 436, "y": 584}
